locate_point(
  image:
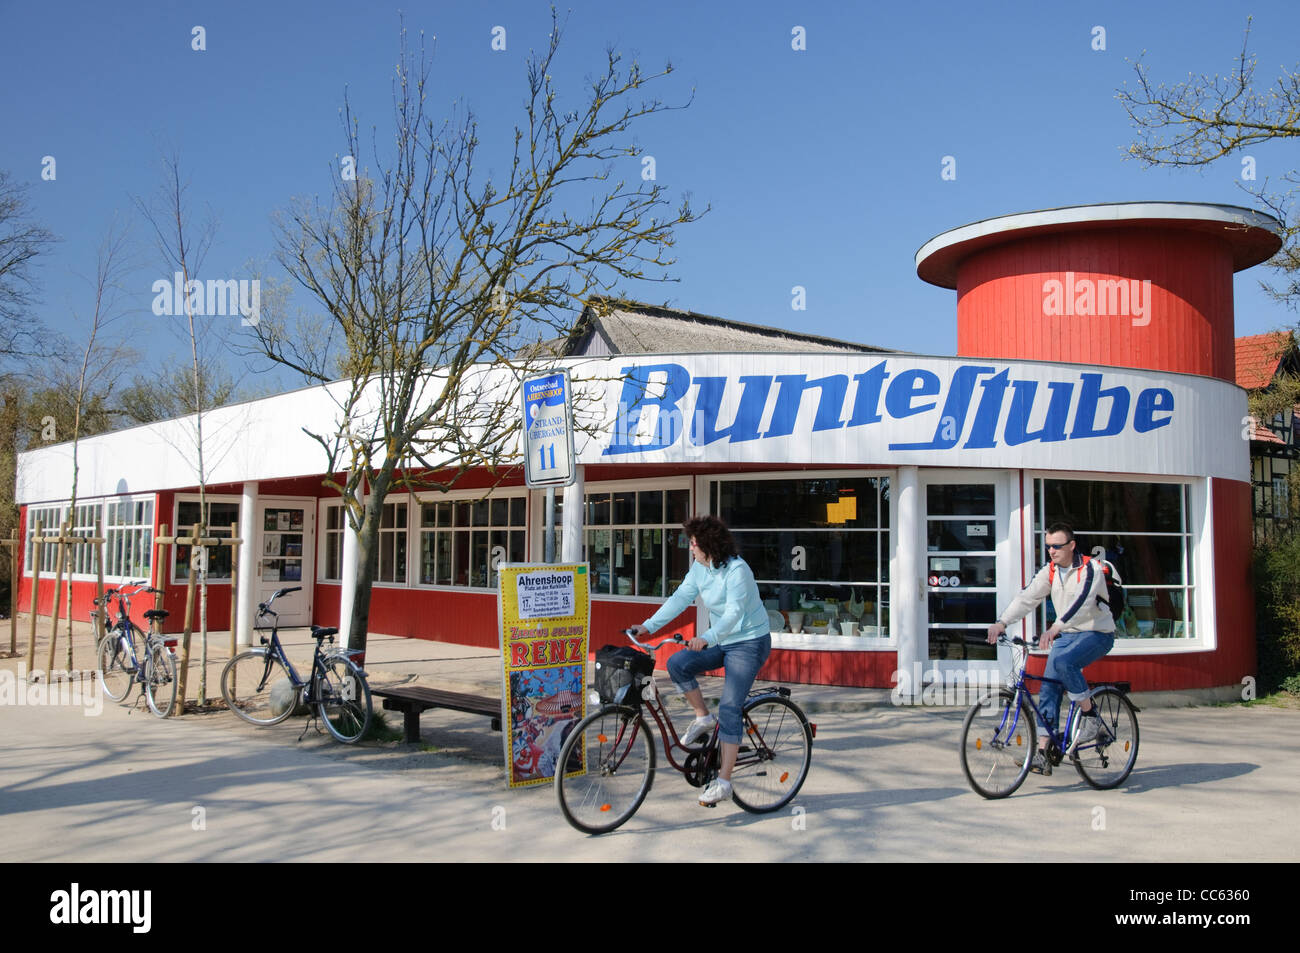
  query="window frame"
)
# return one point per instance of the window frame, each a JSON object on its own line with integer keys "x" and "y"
{"x": 1199, "y": 597}
{"x": 886, "y": 555}
{"x": 95, "y": 508}
{"x": 174, "y": 578}
{"x": 417, "y": 531}
{"x": 629, "y": 486}
{"x": 323, "y": 539}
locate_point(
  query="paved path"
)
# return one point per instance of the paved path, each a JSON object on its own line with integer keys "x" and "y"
{"x": 1211, "y": 784}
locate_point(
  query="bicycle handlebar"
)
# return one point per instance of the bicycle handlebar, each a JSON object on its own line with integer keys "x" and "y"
{"x": 121, "y": 592}
{"x": 264, "y": 608}
{"x": 1017, "y": 640}
{"x": 675, "y": 637}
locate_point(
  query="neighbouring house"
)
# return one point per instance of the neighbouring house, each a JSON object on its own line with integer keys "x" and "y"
{"x": 1274, "y": 443}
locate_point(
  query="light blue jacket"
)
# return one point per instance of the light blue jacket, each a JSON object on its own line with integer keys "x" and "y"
{"x": 736, "y": 613}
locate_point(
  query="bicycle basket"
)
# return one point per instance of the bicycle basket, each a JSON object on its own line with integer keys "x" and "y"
{"x": 620, "y": 671}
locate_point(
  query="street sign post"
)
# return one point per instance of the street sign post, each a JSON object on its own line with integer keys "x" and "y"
{"x": 548, "y": 430}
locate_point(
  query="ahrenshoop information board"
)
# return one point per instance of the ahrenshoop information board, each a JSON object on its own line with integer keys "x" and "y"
{"x": 544, "y": 612}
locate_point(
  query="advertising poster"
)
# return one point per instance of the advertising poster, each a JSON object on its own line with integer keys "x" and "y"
{"x": 544, "y": 611}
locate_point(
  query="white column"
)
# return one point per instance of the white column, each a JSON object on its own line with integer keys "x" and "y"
{"x": 571, "y": 543}
{"x": 246, "y": 608}
{"x": 908, "y": 612}
{"x": 347, "y": 580}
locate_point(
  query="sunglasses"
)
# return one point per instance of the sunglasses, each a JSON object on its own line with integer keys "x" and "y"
{"x": 1052, "y": 546}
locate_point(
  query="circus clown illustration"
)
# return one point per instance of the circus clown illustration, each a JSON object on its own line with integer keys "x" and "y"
{"x": 546, "y": 704}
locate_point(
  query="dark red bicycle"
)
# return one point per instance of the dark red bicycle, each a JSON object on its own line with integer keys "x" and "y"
{"x": 607, "y": 763}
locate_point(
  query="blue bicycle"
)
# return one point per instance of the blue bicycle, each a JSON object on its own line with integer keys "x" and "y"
{"x": 126, "y": 656}
{"x": 1000, "y": 736}
{"x": 262, "y": 687}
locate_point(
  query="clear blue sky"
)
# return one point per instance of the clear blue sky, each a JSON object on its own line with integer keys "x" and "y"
{"x": 822, "y": 166}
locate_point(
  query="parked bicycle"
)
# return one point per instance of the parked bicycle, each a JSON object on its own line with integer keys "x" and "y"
{"x": 262, "y": 687}
{"x": 607, "y": 763}
{"x": 126, "y": 656}
{"x": 999, "y": 736}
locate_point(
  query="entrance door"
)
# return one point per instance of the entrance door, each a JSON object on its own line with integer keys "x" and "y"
{"x": 963, "y": 518}
{"x": 286, "y": 544}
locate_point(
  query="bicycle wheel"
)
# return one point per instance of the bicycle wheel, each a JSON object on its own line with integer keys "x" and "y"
{"x": 343, "y": 699}
{"x": 257, "y": 688}
{"x": 160, "y": 680}
{"x": 1107, "y": 762}
{"x": 774, "y": 755}
{"x": 607, "y": 765}
{"x": 998, "y": 740}
{"x": 114, "y": 665}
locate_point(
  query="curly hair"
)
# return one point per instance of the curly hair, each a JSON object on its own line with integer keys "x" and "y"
{"x": 712, "y": 537}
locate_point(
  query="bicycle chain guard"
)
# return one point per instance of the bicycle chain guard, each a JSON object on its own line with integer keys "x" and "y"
{"x": 698, "y": 770}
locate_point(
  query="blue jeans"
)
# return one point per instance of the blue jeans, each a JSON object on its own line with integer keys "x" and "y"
{"x": 1071, "y": 652}
{"x": 742, "y": 660}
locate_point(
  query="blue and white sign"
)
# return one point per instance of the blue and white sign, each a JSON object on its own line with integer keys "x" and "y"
{"x": 548, "y": 430}
{"x": 903, "y": 409}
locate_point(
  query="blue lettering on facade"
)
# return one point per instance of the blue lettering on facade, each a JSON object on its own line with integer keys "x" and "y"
{"x": 973, "y": 400}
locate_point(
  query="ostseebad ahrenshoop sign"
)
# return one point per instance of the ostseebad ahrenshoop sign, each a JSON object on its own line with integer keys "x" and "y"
{"x": 547, "y": 430}
{"x": 872, "y": 409}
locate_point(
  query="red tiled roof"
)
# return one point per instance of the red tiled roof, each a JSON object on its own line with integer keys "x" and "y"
{"x": 1263, "y": 434}
{"x": 1258, "y": 357}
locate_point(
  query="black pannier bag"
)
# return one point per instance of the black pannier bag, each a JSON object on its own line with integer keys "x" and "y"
{"x": 621, "y": 671}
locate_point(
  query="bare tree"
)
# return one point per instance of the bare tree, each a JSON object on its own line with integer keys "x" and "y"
{"x": 434, "y": 278}
{"x": 21, "y": 241}
{"x": 183, "y": 244}
{"x": 1209, "y": 117}
{"x": 97, "y": 359}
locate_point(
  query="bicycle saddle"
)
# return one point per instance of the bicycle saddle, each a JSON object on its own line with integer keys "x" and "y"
{"x": 319, "y": 633}
{"x": 156, "y": 613}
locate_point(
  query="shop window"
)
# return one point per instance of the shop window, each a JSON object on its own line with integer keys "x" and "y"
{"x": 462, "y": 542}
{"x": 819, "y": 549}
{"x": 1144, "y": 530}
{"x": 221, "y": 514}
{"x": 128, "y": 534}
{"x": 335, "y": 522}
{"x": 635, "y": 542}
{"x": 392, "y": 543}
{"x": 127, "y": 525}
{"x": 51, "y": 520}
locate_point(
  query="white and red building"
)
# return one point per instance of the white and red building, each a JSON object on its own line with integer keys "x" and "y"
{"x": 889, "y": 502}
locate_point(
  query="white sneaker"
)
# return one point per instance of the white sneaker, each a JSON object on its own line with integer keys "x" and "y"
{"x": 1087, "y": 730}
{"x": 700, "y": 728}
{"x": 718, "y": 790}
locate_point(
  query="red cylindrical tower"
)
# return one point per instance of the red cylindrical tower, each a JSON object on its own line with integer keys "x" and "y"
{"x": 1141, "y": 284}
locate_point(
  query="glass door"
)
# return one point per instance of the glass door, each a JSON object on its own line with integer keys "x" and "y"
{"x": 285, "y": 546}
{"x": 961, "y": 566}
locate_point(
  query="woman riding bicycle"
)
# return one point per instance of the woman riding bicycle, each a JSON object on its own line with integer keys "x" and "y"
{"x": 1083, "y": 623}
{"x": 738, "y": 639}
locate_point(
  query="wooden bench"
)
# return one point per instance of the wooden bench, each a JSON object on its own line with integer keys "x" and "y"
{"x": 412, "y": 700}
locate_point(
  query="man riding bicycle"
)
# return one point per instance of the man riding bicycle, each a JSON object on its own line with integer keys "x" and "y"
{"x": 1083, "y": 632}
